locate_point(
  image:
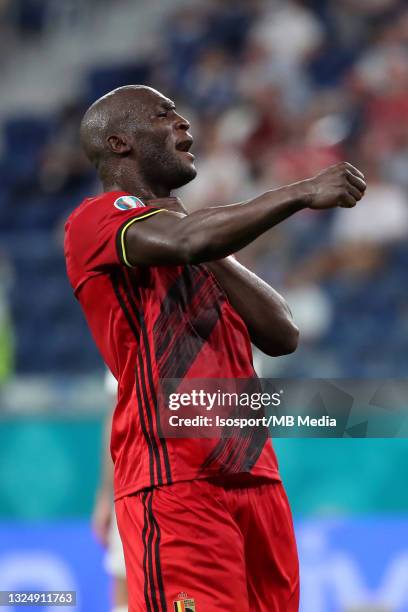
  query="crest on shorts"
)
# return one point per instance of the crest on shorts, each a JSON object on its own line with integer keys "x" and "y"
{"x": 128, "y": 202}
{"x": 184, "y": 603}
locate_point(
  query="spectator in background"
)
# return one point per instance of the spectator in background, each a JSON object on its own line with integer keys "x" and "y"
{"x": 64, "y": 167}
{"x": 384, "y": 217}
{"x": 184, "y": 39}
{"x": 383, "y": 73}
{"x": 229, "y": 24}
{"x": 211, "y": 84}
{"x": 270, "y": 125}
{"x": 359, "y": 247}
{"x": 288, "y": 30}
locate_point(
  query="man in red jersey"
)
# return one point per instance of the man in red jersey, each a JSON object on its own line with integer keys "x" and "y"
{"x": 204, "y": 528}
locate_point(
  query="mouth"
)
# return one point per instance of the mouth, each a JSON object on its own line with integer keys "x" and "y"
{"x": 184, "y": 146}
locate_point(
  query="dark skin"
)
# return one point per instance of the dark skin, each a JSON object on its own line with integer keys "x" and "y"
{"x": 146, "y": 153}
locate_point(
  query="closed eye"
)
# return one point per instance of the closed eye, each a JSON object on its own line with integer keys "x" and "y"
{"x": 165, "y": 110}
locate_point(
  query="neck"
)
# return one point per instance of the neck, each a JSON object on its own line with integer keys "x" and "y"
{"x": 138, "y": 189}
{"x": 134, "y": 183}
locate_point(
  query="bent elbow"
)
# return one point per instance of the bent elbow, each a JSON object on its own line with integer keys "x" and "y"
{"x": 286, "y": 344}
{"x": 291, "y": 340}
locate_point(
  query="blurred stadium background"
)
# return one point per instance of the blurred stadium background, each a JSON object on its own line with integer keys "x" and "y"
{"x": 275, "y": 91}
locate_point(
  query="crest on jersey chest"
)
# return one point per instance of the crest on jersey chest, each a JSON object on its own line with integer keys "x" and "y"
{"x": 184, "y": 603}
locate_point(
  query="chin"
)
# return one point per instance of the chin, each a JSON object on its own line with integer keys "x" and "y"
{"x": 187, "y": 174}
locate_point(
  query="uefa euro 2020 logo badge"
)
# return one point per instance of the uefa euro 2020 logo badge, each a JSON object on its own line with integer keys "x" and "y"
{"x": 128, "y": 202}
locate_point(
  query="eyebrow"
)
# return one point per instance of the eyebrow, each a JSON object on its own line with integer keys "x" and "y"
{"x": 168, "y": 105}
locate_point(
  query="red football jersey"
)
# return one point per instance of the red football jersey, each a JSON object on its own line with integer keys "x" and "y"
{"x": 151, "y": 323}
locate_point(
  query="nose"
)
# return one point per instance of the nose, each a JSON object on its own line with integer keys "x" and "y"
{"x": 181, "y": 123}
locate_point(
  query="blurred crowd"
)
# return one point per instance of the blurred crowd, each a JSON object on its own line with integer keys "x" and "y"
{"x": 275, "y": 91}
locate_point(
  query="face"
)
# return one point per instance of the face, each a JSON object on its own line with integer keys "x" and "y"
{"x": 161, "y": 143}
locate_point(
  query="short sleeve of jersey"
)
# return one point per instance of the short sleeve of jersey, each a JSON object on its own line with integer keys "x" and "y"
{"x": 95, "y": 234}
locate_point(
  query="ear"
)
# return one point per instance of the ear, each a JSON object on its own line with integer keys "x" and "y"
{"x": 119, "y": 144}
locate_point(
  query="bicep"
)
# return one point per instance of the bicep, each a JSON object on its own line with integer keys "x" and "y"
{"x": 154, "y": 241}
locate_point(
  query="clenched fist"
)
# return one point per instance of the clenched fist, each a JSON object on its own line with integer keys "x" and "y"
{"x": 340, "y": 185}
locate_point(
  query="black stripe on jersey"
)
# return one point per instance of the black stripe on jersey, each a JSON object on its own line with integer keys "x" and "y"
{"x": 152, "y": 436}
{"x": 157, "y": 555}
{"x": 143, "y": 426}
{"x": 144, "y": 533}
{"x": 179, "y": 296}
{"x": 229, "y": 453}
{"x": 151, "y": 529}
{"x": 247, "y": 449}
{"x": 240, "y": 458}
{"x": 258, "y": 436}
{"x": 150, "y": 443}
{"x": 131, "y": 295}
{"x": 176, "y": 315}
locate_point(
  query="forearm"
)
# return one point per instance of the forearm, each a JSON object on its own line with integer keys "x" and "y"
{"x": 215, "y": 233}
{"x": 174, "y": 238}
{"x": 264, "y": 311}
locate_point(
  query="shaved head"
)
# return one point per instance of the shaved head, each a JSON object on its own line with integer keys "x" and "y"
{"x": 118, "y": 110}
{"x": 123, "y": 129}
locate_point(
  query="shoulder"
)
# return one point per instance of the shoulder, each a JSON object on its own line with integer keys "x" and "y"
{"x": 102, "y": 212}
{"x": 94, "y": 230}
{"x": 96, "y": 207}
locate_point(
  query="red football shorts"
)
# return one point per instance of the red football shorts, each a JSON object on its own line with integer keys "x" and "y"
{"x": 207, "y": 546}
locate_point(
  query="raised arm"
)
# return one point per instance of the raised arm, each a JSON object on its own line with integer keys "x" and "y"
{"x": 210, "y": 234}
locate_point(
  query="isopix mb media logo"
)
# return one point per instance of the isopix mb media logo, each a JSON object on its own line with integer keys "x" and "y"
{"x": 128, "y": 202}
